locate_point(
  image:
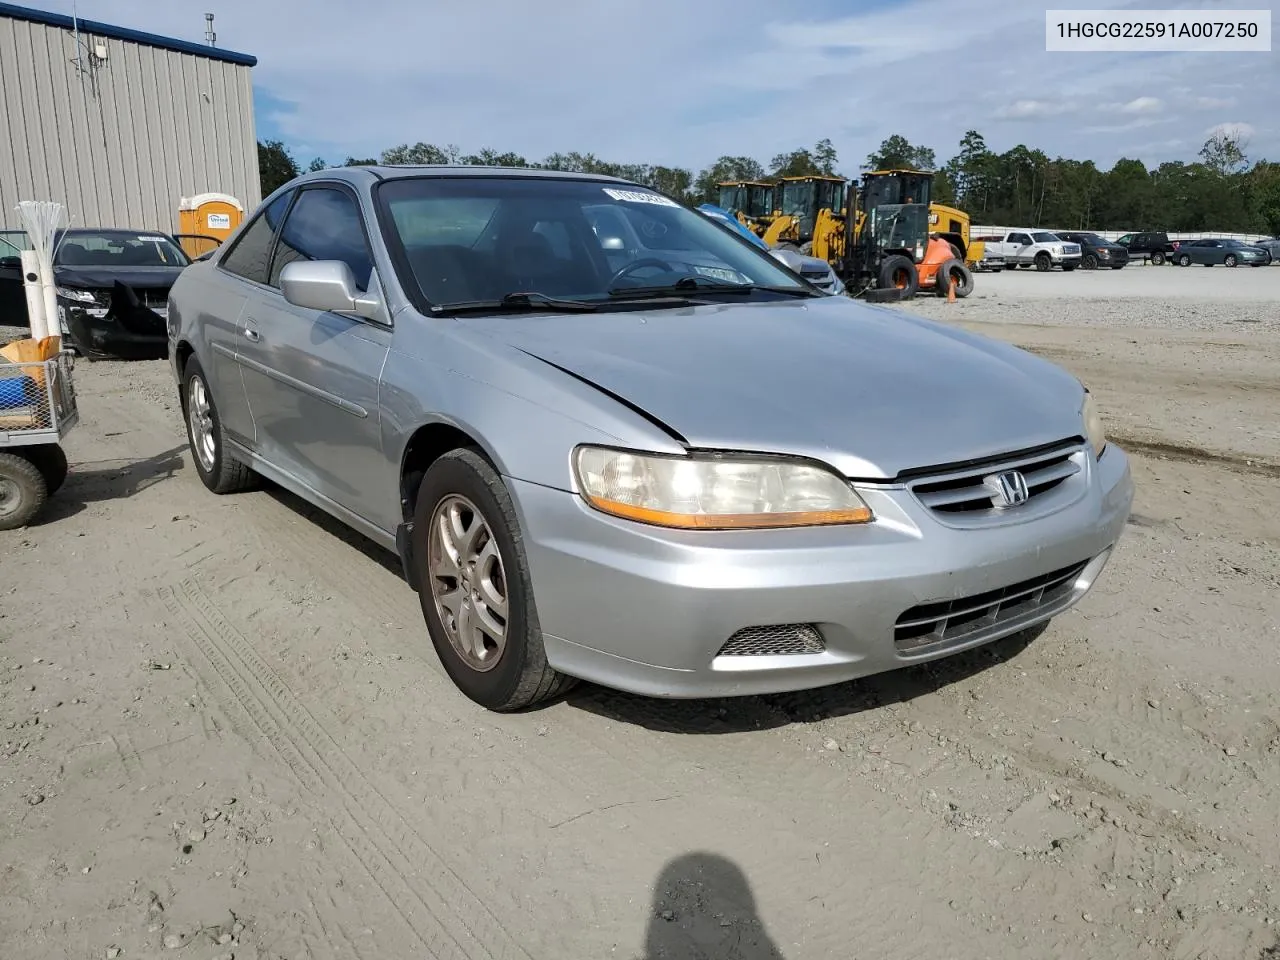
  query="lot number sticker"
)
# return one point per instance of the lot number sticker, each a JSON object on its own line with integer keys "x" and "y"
{"x": 636, "y": 196}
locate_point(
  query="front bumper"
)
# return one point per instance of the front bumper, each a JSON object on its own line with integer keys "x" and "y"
{"x": 649, "y": 611}
{"x": 1067, "y": 259}
{"x": 137, "y": 334}
{"x": 1111, "y": 259}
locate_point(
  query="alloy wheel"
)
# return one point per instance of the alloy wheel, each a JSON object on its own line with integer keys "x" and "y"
{"x": 468, "y": 582}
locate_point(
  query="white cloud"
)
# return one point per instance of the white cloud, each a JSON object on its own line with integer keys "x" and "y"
{"x": 1143, "y": 105}
{"x": 657, "y": 83}
{"x": 1237, "y": 131}
{"x": 1034, "y": 109}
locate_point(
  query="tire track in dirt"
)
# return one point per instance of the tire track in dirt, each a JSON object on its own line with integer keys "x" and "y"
{"x": 445, "y": 917}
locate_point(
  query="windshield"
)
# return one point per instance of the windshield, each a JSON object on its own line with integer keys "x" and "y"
{"x": 119, "y": 250}
{"x": 1089, "y": 238}
{"x": 469, "y": 239}
{"x": 898, "y": 226}
{"x": 731, "y": 198}
{"x": 797, "y": 197}
{"x": 1043, "y": 237}
{"x": 759, "y": 201}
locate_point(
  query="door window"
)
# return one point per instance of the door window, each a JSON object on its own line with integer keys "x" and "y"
{"x": 250, "y": 257}
{"x": 324, "y": 224}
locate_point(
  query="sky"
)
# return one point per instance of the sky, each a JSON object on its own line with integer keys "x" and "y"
{"x": 654, "y": 82}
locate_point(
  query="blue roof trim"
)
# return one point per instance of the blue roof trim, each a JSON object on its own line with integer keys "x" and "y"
{"x": 124, "y": 33}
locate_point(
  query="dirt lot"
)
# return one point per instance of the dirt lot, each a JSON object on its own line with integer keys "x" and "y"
{"x": 222, "y": 731}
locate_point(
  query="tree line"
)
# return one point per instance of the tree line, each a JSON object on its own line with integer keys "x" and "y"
{"x": 1220, "y": 191}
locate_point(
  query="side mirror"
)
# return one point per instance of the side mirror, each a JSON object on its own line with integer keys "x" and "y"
{"x": 326, "y": 285}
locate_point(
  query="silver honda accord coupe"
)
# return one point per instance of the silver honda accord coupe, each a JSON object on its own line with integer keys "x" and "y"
{"x": 610, "y": 440}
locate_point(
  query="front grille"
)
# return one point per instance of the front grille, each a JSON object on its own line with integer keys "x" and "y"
{"x": 965, "y": 490}
{"x": 955, "y": 621}
{"x": 772, "y": 641}
{"x": 1071, "y": 248}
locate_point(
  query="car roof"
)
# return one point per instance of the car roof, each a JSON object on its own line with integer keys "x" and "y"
{"x": 362, "y": 174}
{"x": 112, "y": 232}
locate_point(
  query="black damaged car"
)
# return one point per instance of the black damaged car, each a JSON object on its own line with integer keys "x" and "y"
{"x": 113, "y": 291}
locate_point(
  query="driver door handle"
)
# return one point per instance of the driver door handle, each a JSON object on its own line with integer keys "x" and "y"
{"x": 252, "y": 334}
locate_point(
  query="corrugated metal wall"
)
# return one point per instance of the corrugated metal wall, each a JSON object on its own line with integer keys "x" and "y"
{"x": 121, "y": 143}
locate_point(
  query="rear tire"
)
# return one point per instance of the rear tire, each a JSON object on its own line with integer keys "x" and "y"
{"x": 1157, "y": 258}
{"x": 51, "y": 460}
{"x": 899, "y": 272}
{"x": 466, "y": 500}
{"x": 23, "y": 492}
{"x": 963, "y": 278}
{"x": 218, "y": 470}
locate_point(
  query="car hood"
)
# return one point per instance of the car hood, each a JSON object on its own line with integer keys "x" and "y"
{"x": 93, "y": 278}
{"x": 871, "y": 391}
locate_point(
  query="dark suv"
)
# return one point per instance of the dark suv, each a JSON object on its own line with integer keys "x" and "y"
{"x": 1156, "y": 247}
{"x": 1096, "y": 251}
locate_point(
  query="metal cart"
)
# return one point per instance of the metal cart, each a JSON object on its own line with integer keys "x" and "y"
{"x": 37, "y": 409}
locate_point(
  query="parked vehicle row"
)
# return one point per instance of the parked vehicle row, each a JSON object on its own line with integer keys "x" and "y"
{"x": 1069, "y": 249}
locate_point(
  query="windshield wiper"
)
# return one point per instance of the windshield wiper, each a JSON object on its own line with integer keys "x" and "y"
{"x": 683, "y": 285}
{"x": 519, "y": 302}
{"x": 702, "y": 285}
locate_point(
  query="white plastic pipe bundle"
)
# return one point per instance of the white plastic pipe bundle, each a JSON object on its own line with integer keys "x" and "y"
{"x": 35, "y": 296}
{"x": 42, "y": 218}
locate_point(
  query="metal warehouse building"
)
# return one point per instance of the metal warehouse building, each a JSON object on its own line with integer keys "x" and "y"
{"x": 120, "y": 126}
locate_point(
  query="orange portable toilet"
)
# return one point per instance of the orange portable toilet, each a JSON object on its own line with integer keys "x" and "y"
{"x": 207, "y": 219}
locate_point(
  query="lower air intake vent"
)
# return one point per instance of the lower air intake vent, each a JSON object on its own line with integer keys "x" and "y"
{"x": 773, "y": 641}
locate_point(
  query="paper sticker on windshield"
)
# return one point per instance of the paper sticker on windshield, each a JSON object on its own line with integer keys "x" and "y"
{"x": 638, "y": 196}
{"x": 151, "y": 239}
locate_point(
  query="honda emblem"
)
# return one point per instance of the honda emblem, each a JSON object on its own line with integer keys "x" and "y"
{"x": 1008, "y": 489}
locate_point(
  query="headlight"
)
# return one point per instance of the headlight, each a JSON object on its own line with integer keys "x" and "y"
{"x": 81, "y": 296}
{"x": 1104, "y": 253}
{"x": 715, "y": 493}
{"x": 1093, "y": 430}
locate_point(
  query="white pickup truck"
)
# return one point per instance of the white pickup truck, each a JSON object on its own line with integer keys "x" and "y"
{"x": 1044, "y": 250}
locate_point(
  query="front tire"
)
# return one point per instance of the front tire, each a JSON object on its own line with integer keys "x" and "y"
{"x": 219, "y": 471}
{"x": 23, "y": 492}
{"x": 1184, "y": 261}
{"x": 900, "y": 273}
{"x": 1230, "y": 260}
{"x": 1043, "y": 263}
{"x": 1090, "y": 262}
{"x": 476, "y": 593}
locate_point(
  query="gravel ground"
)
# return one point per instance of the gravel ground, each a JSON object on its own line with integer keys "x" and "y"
{"x": 222, "y": 731}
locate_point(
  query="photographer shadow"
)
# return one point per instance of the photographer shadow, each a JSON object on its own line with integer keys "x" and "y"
{"x": 703, "y": 909}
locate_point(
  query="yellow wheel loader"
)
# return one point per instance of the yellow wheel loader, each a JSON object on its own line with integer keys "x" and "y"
{"x": 751, "y": 201}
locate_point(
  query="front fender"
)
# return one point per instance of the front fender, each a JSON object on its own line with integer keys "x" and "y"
{"x": 526, "y": 415}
